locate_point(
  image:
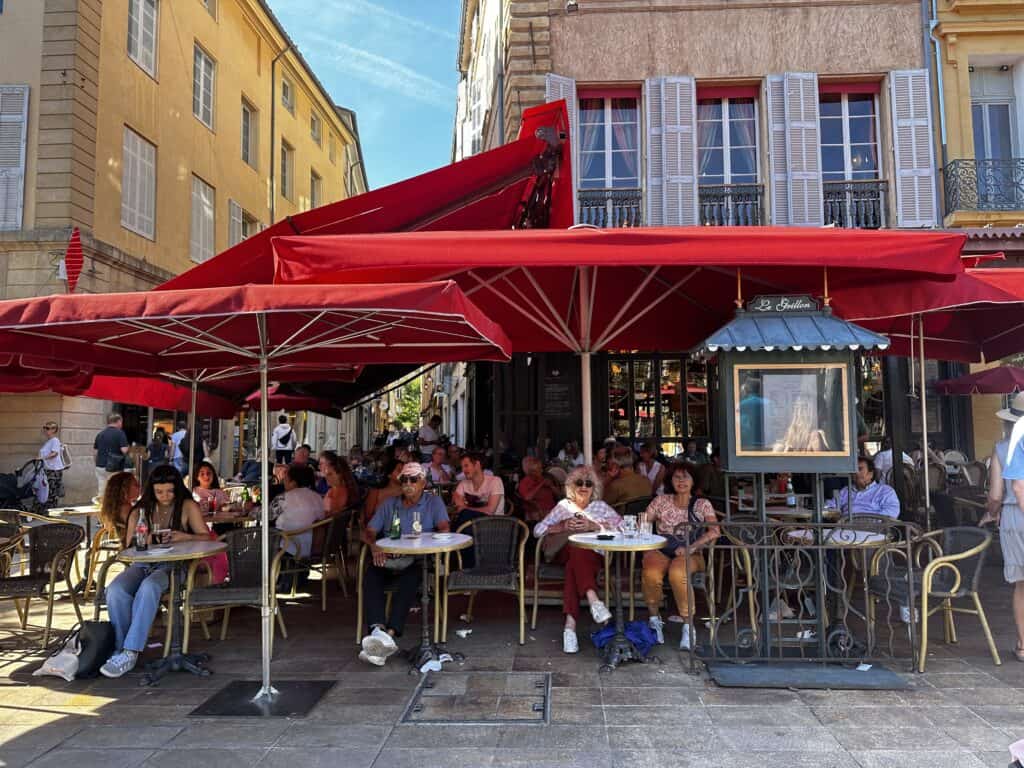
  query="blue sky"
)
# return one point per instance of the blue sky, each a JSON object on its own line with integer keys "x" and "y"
{"x": 393, "y": 62}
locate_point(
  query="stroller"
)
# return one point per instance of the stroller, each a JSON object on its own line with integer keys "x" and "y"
{"x": 26, "y": 489}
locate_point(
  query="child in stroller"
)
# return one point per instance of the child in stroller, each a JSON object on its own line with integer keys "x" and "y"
{"x": 26, "y": 489}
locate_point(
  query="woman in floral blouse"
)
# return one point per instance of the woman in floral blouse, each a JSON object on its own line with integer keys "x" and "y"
{"x": 580, "y": 511}
{"x": 689, "y": 523}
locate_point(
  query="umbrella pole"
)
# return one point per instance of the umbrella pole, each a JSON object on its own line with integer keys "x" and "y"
{"x": 267, "y": 690}
{"x": 924, "y": 425}
{"x": 192, "y": 436}
{"x": 588, "y": 425}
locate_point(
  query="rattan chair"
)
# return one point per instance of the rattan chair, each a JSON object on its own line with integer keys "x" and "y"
{"x": 633, "y": 506}
{"x": 106, "y": 541}
{"x": 545, "y": 572}
{"x": 947, "y": 566}
{"x": 975, "y": 474}
{"x": 364, "y": 562}
{"x": 328, "y": 548}
{"x": 50, "y": 553}
{"x": 499, "y": 544}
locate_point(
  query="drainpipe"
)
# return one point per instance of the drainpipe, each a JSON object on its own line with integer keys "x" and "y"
{"x": 930, "y": 20}
{"x": 273, "y": 114}
{"x": 501, "y": 74}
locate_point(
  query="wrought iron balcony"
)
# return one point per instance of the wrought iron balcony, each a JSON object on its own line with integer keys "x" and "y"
{"x": 985, "y": 185}
{"x": 732, "y": 205}
{"x": 621, "y": 207}
{"x": 855, "y": 204}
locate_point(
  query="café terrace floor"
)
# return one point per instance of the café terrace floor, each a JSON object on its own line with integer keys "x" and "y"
{"x": 963, "y": 712}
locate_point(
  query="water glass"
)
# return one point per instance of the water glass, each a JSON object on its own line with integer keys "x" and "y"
{"x": 644, "y": 524}
{"x": 417, "y": 524}
{"x": 629, "y": 526}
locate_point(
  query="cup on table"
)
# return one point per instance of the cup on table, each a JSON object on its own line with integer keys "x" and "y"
{"x": 644, "y": 524}
{"x": 629, "y": 526}
{"x": 161, "y": 535}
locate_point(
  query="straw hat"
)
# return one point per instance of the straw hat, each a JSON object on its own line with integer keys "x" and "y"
{"x": 1016, "y": 409}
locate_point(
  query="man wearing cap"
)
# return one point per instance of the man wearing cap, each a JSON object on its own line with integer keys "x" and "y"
{"x": 386, "y": 569}
{"x": 1006, "y": 506}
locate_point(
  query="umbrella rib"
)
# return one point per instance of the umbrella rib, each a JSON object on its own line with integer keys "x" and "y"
{"x": 321, "y": 343}
{"x": 627, "y": 305}
{"x": 207, "y": 332}
{"x": 547, "y": 302}
{"x": 612, "y": 333}
{"x": 310, "y": 321}
{"x": 572, "y": 296}
{"x": 482, "y": 282}
{"x": 208, "y": 343}
{"x": 534, "y": 318}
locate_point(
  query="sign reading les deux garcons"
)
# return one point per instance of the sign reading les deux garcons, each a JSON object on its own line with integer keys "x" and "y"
{"x": 782, "y": 304}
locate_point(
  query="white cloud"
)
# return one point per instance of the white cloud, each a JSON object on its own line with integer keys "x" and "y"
{"x": 372, "y": 15}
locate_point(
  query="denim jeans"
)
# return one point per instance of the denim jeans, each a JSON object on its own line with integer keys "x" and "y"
{"x": 133, "y": 599}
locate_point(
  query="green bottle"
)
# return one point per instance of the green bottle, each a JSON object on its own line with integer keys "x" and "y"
{"x": 396, "y": 527}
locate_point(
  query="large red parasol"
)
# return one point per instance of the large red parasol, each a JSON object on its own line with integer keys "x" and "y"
{"x": 1001, "y": 380}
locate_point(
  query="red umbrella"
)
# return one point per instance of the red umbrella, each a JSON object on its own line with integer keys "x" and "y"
{"x": 1001, "y": 380}
{"x": 280, "y": 400}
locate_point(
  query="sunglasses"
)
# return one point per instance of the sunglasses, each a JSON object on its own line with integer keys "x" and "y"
{"x": 584, "y": 483}
{"x": 408, "y": 479}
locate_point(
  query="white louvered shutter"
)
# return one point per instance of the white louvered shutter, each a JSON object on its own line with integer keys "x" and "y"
{"x": 13, "y": 136}
{"x": 557, "y": 87}
{"x": 916, "y": 205}
{"x": 803, "y": 150}
{"x": 775, "y": 101}
{"x": 138, "y": 185}
{"x": 655, "y": 191}
{"x": 235, "y": 235}
{"x": 679, "y": 142}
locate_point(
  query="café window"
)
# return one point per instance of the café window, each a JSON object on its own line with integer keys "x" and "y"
{"x": 609, "y": 143}
{"x": 664, "y": 399}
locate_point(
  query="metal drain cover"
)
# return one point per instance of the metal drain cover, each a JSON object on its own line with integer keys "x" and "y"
{"x": 481, "y": 698}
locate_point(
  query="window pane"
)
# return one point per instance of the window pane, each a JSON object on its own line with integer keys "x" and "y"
{"x": 830, "y": 105}
{"x": 742, "y": 109}
{"x": 671, "y": 399}
{"x": 624, "y": 137}
{"x": 978, "y": 118}
{"x": 618, "y": 398}
{"x": 710, "y": 180}
{"x": 860, "y": 104}
{"x": 999, "y": 131}
{"x": 591, "y": 111}
{"x": 834, "y": 175}
{"x": 624, "y": 111}
{"x": 711, "y": 163}
{"x": 697, "y": 421}
{"x": 592, "y": 138}
{"x": 643, "y": 398}
{"x": 742, "y": 133}
{"x": 624, "y": 169}
{"x": 709, "y": 109}
{"x": 831, "y": 131}
{"x": 592, "y": 172}
{"x": 743, "y": 178}
{"x": 742, "y": 161}
{"x": 862, "y": 130}
{"x": 863, "y": 157}
{"x": 709, "y": 134}
{"x": 832, "y": 160}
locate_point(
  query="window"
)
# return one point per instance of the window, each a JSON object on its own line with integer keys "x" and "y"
{"x": 202, "y": 240}
{"x": 287, "y": 95}
{"x": 727, "y": 141}
{"x": 287, "y": 170}
{"x": 314, "y": 127}
{"x": 242, "y": 224}
{"x": 849, "y": 137}
{"x": 138, "y": 185}
{"x": 993, "y": 110}
{"x": 211, "y": 6}
{"x": 142, "y": 26}
{"x": 332, "y": 149}
{"x": 609, "y": 143}
{"x": 202, "y": 87}
{"x": 250, "y": 147}
{"x": 316, "y": 191}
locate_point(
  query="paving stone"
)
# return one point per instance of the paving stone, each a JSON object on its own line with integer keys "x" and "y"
{"x": 32, "y": 737}
{"x": 18, "y": 758}
{"x": 356, "y": 713}
{"x": 434, "y": 758}
{"x": 759, "y": 738}
{"x": 560, "y": 737}
{"x": 871, "y": 717}
{"x": 976, "y": 735}
{"x": 443, "y": 736}
{"x": 882, "y": 758}
{"x": 650, "y": 696}
{"x": 329, "y": 757}
{"x": 92, "y": 758}
{"x": 789, "y": 716}
{"x": 206, "y": 757}
{"x": 696, "y": 740}
{"x": 855, "y": 737}
{"x": 970, "y": 697}
{"x": 310, "y": 735}
{"x": 1000, "y": 715}
{"x": 684, "y": 716}
{"x": 546, "y": 758}
{"x": 576, "y": 696}
{"x": 217, "y": 734}
{"x": 965, "y": 680}
{"x": 577, "y": 714}
{"x": 119, "y": 736}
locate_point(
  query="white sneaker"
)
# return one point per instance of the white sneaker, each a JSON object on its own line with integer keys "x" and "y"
{"x": 905, "y": 615}
{"x": 379, "y": 643}
{"x": 658, "y": 626}
{"x": 377, "y": 661}
{"x": 684, "y": 641}
{"x": 120, "y": 664}
{"x": 569, "y": 642}
{"x": 599, "y": 611}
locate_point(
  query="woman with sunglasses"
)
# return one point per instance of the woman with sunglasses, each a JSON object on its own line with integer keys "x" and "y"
{"x": 133, "y": 598}
{"x": 579, "y": 512}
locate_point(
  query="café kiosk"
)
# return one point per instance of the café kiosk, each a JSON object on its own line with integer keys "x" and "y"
{"x": 786, "y": 404}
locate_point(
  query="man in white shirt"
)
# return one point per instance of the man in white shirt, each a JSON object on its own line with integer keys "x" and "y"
{"x": 883, "y": 462}
{"x": 478, "y": 495}
{"x": 428, "y": 437}
{"x": 298, "y": 507}
{"x": 282, "y": 440}
{"x": 177, "y": 457}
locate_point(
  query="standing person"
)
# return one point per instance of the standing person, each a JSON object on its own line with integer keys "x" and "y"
{"x": 580, "y": 511}
{"x": 133, "y": 598}
{"x": 651, "y": 468}
{"x": 428, "y": 437}
{"x": 177, "y": 456}
{"x": 109, "y": 450}
{"x": 158, "y": 451}
{"x": 1006, "y": 507}
{"x": 52, "y": 454}
{"x": 282, "y": 440}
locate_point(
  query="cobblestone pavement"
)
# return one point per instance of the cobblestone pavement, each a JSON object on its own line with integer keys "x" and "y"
{"x": 963, "y": 712}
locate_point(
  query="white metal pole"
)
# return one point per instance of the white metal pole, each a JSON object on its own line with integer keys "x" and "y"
{"x": 267, "y": 690}
{"x": 588, "y": 425}
{"x": 924, "y": 424}
{"x": 192, "y": 436}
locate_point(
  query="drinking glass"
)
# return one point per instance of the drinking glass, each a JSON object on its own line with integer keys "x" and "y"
{"x": 629, "y": 526}
{"x": 417, "y": 525}
{"x": 644, "y": 524}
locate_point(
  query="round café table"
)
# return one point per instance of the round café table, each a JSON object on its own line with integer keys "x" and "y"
{"x": 179, "y": 554}
{"x": 619, "y": 648}
{"x": 421, "y": 546}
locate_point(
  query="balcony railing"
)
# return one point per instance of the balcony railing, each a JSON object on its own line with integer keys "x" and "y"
{"x": 855, "y": 204}
{"x": 611, "y": 207}
{"x": 731, "y": 205}
{"x": 985, "y": 185}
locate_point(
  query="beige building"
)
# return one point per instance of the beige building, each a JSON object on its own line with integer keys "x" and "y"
{"x": 147, "y": 124}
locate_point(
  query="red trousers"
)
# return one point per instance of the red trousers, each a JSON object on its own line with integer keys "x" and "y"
{"x": 581, "y": 569}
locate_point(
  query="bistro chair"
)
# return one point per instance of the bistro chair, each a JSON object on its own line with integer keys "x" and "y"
{"x": 947, "y": 566}
{"x": 106, "y": 543}
{"x": 741, "y": 536}
{"x": 327, "y": 549}
{"x": 499, "y": 544}
{"x": 365, "y": 560}
{"x": 549, "y": 573}
{"x": 975, "y": 474}
{"x": 50, "y": 553}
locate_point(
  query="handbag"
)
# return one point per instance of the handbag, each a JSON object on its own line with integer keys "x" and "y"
{"x": 96, "y": 645}
{"x": 552, "y": 544}
{"x": 65, "y": 456}
{"x": 115, "y": 462}
{"x": 63, "y": 662}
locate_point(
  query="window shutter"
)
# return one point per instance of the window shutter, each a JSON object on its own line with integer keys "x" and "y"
{"x": 235, "y": 223}
{"x": 13, "y": 136}
{"x": 203, "y": 236}
{"x": 679, "y": 150}
{"x": 557, "y": 87}
{"x": 916, "y": 205}
{"x": 138, "y": 185}
{"x": 803, "y": 149}
{"x": 774, "y": 99}
{"x": 655, "y": 152}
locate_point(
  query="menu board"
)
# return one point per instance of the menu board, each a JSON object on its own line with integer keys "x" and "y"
{"x": 557, "y": 397}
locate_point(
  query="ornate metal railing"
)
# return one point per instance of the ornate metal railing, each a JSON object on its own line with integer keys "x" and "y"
{"x": 985, "y": 185}
{"x": 733, "y": 205}
{"x": 855, "y": 204}
{"x": 611, "y": 207}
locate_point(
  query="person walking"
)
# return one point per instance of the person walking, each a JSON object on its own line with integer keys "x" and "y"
{"x": 53, "y": 454}
{"x": 283, "y": 440}
{"x": 158, "y": 451}
{"x": 109, "y": 450}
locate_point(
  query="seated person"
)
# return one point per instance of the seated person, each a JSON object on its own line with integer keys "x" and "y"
{"x": 537, "y": 490}
{"x": 580, "y": 511}
{"x": 570, "y": 455}
{"x": 479, "y": 494}
{"x": 626, "y": 484}
{"x": 869, "y": 496}
{"x": 297, "y": 508}
{"x": 121, "y": 491}
{"x": 380, "y": 643}
{"x": 393, "y": 488}
{"x": 342, "y": 490}
{"x": 250, "y": 474}
{"x": 651, "y": 468}
{"x": 437, "y": 470}
{"x": 206, "y": 488}
{"x": 678, "y": 505}
{"x": 133, "y": 598}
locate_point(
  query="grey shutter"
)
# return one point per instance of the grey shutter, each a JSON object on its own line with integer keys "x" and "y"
{"x": 803, "y": 149}
{"x": 916, "y": 205}
{"x": 655, "y": 191}
{"x": 679, "y": 142}
{"x": 774, "y": 99}
{"x": 234, "y": 223}
{"x": 557, "y": 87}
{"x": 13, "y": 138}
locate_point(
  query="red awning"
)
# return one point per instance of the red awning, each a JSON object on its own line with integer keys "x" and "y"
{"x": 649, "y": 289}
{"x": 280, "y": 400}
{"x": 154, "y": 393}
{"x": 485, "y": 191}
{"x": 1001, "y": 380}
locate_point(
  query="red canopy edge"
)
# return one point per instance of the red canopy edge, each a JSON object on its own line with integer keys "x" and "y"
{"x": 155, "y": 393}
{"x": 1001, "y": 380}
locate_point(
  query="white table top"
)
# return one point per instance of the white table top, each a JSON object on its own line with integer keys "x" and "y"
{"x": 85, "y": 509}
{"x": 840, "y": 537}
{"x": 425, "y": 544}
{"x": 620, "y": 543}
{"x": 184, "y": 550}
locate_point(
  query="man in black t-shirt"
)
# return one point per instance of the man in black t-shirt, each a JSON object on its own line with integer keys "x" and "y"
{"x": 110, "y": 447}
